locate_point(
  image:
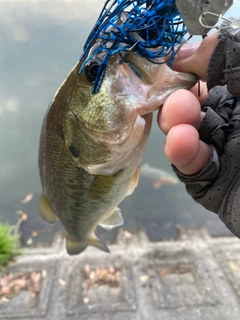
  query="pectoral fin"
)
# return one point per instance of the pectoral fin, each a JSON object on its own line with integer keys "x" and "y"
{"x": 114, "y": 219}
{"x": 46, "y": 211}
{"x": 134, "y": 181}
{"x": 75, "y": 247}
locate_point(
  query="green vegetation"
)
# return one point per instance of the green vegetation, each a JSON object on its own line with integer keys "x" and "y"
{"x": 8, "y": 244}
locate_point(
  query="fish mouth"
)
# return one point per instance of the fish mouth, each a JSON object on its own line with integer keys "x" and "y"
{"x": 137, "y": 96}
{"x": 144, "y": 86}
{"x": 159, "y": 77}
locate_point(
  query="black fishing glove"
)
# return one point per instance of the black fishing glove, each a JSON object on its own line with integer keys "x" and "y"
{"x": 224, "y": 65}
{"x": 217, "y": 186}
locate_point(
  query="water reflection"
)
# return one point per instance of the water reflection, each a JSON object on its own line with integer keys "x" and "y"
{"x": 40, "y": 41}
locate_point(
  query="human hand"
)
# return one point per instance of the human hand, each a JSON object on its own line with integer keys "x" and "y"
{"x": 211, "y": 173}
{"x": 180, "y": 119}
{"x": 181, "y": 116}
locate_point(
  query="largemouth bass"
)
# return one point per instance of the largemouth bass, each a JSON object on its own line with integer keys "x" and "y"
{"x": 91, "y": 145}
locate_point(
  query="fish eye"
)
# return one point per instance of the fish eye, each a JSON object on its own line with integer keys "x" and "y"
{"x": 91, "y": 70}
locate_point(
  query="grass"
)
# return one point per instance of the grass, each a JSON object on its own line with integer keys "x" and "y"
{"x": 8, "y": 244}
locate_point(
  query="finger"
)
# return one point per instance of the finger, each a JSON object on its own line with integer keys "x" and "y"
{"x": 186, "y": 50}
{"x": 200, "y": 91}
{"x": 184, "y": 149}
{"x": 198, "y": 61}
{"x": 181, "y": 107}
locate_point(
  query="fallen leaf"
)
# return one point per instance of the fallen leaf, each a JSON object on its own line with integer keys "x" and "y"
{"x": 87, "y": 269}
{"x": 27, "y": 198}
{"x": 86, "y": 300}
{"x": 127, "y": 235}
{"x": 179, "y": 269}
{"x": 62, "y": 282}
{"x": 29, "y": 241}
{"x": 34, "y": 234}
{"x": 144, "y": 278}
{"x": 234, "y": 266}
{"x": 44, "y": 273}
{"x": 92, "y": 275}
{"x": 11, "y": 284}
{"x": 3, "y": 299}
{"x": 24, "y": 216}
{"x": 94, "y": 278}
{"x": 163, "y": 272}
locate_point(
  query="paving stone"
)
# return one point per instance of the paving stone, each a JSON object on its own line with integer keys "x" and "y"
{"x": 102, "y": 298}
{"x": 173, "y": 284}
{"x": 23, "y": 306}
{"x": 196, "y": 277}
{"x": 228, "y": 257}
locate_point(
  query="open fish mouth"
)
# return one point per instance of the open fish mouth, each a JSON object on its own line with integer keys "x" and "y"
{"x": 136, "y": 96}
{"x": 151, "y": 29}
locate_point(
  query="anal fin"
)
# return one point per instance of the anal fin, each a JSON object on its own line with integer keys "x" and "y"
{"x": 46, "y": 211}
{"x": 75, "y": 247}
{"x": 114, "y": 219}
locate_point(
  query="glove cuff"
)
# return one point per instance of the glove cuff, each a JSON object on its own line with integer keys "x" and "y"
{"x": 198, "y": 184}
{"x": 229, "y": 211}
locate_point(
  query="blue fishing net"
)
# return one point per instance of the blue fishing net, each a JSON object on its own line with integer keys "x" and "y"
{"x": 151, "y": 28}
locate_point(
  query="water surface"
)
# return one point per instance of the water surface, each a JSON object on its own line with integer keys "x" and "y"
{"x": 40, "y": 41}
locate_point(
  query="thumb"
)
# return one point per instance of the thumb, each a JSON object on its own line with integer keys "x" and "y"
{"x": 195, "y": 59}
{"x": 184, "y": 149}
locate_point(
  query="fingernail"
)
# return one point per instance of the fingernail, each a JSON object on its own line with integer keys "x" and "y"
{"x": 165, "y": 106}
{"x": 187, "y": 50}
{"x": 169, "y": 138}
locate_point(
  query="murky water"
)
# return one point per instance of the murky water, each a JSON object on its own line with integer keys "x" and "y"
{"x": 40, "y": 41}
